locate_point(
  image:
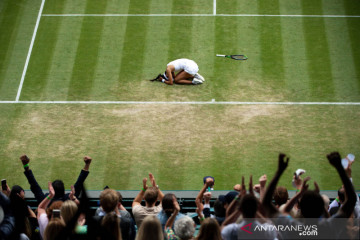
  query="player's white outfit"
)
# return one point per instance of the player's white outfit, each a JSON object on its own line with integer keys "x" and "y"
{"x": 185, "y": 64}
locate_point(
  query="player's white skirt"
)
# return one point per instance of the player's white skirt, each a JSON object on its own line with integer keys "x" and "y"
{"x": 185, "y": 64}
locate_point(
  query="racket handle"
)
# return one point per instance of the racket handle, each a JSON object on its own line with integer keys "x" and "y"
{"x": 219, "y": 55}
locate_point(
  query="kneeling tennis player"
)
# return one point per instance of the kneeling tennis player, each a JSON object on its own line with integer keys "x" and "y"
{"x": 181, "y": 71}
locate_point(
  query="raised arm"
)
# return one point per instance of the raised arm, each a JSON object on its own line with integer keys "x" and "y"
{"x": 172, "y": 218}
{"x": 232, "y": 208}
{"x": 140, "y": 196}
{"x": 290, "y": 204}
{"x": 200, "y": 195}
{"x": 268, "y": 207}
{"x": 153, "y": 182}
{"x": 44, "y": 203}
{"x": 262, "y": 182}
{"x": 348, "y": 206}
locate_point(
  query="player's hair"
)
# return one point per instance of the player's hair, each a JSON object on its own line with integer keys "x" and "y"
{"x": 158, "y": 78}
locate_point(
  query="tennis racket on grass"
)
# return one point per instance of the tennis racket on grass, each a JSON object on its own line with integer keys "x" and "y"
{"x": 235, "y": 57}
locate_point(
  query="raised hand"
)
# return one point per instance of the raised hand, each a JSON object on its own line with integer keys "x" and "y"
{"x": 51, "y": 190}
{"x": 209, "y": 182}
{"x": 317, "y": 188}
{"x": 263, "y": 180}
{"x": 304, "y": 185}
{"x": 176, "y": 204}
{"x": 87, "y": 160}
{"x": 348, "y": 169}
{"x": 243, "y": 187}
{"x": 144, "y": 183}
{"x": 334, "y": 159}
{"x": 152, "y": 179}
{"x": 282, "y": 162}
{"x": 72, "y": 193}
{"x": 251, "y": 189}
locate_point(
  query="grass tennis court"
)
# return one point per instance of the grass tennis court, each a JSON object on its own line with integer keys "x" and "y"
{"x": 74, "y": 82}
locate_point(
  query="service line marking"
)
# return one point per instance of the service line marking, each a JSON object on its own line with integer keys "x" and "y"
{"x": 199, "y": 15}
{"x": 180, "y": 103}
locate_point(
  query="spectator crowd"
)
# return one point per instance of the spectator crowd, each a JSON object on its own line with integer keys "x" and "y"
{"x": 261, "y": 210}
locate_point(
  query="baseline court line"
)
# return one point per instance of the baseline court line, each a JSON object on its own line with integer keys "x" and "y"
{"x": 198, "y": 15}
{"x": 180, "y": 103}
{"x": 30, "y": 50}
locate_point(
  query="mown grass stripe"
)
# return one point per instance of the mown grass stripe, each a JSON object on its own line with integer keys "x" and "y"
{"x": 295, "y": 59}
{"x": 63, "y": 61}
{"x": 354, "y": 34}
{"x": 272, "y": 58}
{"x": 342, "y": 56}
{"x": 82, "y": 78}
{"x": 9, "y": 21}
{"x": 318, "y": 57}
{"x": 133, "y": 54}
{"x": 110, "y": 56}
{"x": 156, "y": 50}
{"x": 16, "y": 53}
{"x": 180, "y": 42}
{"x": 203, "y": 45}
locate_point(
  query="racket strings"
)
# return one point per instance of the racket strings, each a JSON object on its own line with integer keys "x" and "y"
{"x": 239, "y": 57}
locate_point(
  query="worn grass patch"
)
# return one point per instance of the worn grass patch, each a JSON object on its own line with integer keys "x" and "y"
{"x": 179, "y": 144}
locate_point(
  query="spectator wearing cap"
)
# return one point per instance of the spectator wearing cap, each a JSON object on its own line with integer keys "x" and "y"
{"x": 221, "y": 204}
{"x": 209, "y": 179}
{"x": 219, "y": 211}
{"x": 227, "y": 199}
{"x": 151, "y": 195}
{"x": 58, "y": 185}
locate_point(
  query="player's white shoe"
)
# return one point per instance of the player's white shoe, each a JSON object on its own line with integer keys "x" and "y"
{"x": 198, "y": 76}
{"x": 196, "y": 81}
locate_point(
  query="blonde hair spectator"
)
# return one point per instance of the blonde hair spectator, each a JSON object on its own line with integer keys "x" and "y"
{"x": 150, "y": 229}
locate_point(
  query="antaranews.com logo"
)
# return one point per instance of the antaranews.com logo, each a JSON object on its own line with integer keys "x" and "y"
{"x": 302, "y": 230}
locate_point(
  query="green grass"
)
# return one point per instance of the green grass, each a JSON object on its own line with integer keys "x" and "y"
{"x": 111, "y": 58}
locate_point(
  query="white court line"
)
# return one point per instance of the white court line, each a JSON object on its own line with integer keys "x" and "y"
{"x": 198, "y": 15}
{"x": 30, "y": 50}
{"x": 179, "y": 103}
{"x": 214, "y": 7}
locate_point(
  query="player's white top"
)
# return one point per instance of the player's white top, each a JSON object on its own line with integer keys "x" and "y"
{"x": 185, "y": 64}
